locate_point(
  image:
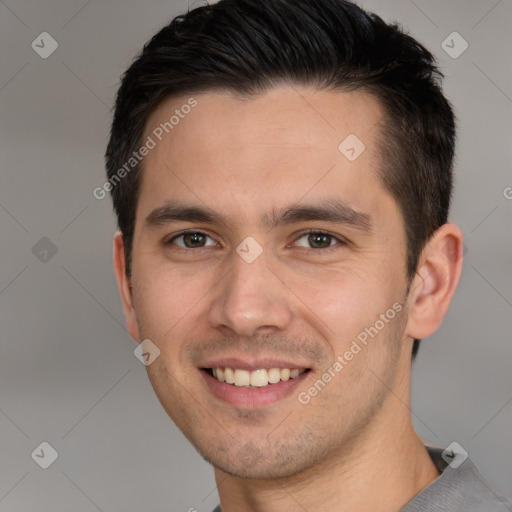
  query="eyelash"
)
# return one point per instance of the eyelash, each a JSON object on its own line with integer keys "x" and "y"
{"x": 340, "y": 240}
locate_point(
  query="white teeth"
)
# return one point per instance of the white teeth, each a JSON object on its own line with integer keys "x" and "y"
{"x": 257, "y": 378}
{"x": 242, "y": 378}
{"x": 274, "y": 375}
{"x": 229, "y": 375}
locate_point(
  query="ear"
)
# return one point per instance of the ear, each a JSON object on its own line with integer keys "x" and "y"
{"x": 123, "y": 281}
{"x": 435, "y": 281}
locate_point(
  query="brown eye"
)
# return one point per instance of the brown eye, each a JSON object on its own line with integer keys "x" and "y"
{"x": 191, "y": 240}
{"x": 317, "y": 240}
{"x": 194, "y": 239}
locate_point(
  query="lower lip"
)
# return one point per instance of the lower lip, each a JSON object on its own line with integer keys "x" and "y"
{"x": 252, "y": 398}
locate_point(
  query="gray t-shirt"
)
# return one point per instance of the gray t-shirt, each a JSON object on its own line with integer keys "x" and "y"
{"x": 460, "y": 489}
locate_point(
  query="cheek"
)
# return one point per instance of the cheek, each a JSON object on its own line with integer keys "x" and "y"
{"x": 344, "y": 301}
{"x": 165, "y": 299}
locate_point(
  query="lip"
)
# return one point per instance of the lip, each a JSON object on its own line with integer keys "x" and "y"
{"x": 252, "y": 398}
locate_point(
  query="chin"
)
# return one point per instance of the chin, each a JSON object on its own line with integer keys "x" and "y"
{"x": 248, "y": 462}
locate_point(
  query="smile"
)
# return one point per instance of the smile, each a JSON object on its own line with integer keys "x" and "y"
{"x": 254, "y": 379}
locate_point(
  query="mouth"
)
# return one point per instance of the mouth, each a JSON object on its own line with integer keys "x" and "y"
{"x": 259, "y": 378}
{"x": 252, "y": 387}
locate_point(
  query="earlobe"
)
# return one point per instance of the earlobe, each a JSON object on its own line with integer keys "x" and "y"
{"x": 436, "y": 279}
{"x": 124, "y": 284}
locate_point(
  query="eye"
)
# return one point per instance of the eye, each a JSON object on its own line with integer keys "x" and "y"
{"x": 318, "y": 240}
{"x": 191, "y": 240}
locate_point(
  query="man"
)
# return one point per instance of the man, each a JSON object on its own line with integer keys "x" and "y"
{"x": 281, "y": 172}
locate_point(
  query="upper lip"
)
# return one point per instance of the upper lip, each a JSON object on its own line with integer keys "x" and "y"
{"x": 253, "y": 364}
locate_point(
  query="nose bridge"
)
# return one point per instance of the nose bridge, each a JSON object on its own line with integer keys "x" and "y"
{"x": 249, "y": 297}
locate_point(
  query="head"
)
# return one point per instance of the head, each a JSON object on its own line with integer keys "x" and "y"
{"x": 247, "y": 109}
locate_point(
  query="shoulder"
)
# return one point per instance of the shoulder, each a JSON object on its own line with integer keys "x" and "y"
{"x": 459, "y": 487}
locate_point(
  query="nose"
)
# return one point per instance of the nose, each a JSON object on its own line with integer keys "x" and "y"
{"x": 250, "y": 300}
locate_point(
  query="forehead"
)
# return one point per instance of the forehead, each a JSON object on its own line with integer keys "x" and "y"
{"x": 293, "y": 115}
{"x": 249, "y": 154}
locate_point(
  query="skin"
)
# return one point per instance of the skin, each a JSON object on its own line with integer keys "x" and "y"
{"x": 244, "y": 158}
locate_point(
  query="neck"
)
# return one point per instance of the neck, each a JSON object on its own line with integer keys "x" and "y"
{"x": 383, "y": 469}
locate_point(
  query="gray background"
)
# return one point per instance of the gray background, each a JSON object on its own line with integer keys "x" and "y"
{"x": 68, "y": 375}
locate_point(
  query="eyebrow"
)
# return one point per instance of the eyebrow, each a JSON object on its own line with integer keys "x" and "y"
{"x": 173, "y": 211}
{"x": 330, "y": 210}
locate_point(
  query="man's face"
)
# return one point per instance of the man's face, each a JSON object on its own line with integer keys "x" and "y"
{"x": 213, "y": 300}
